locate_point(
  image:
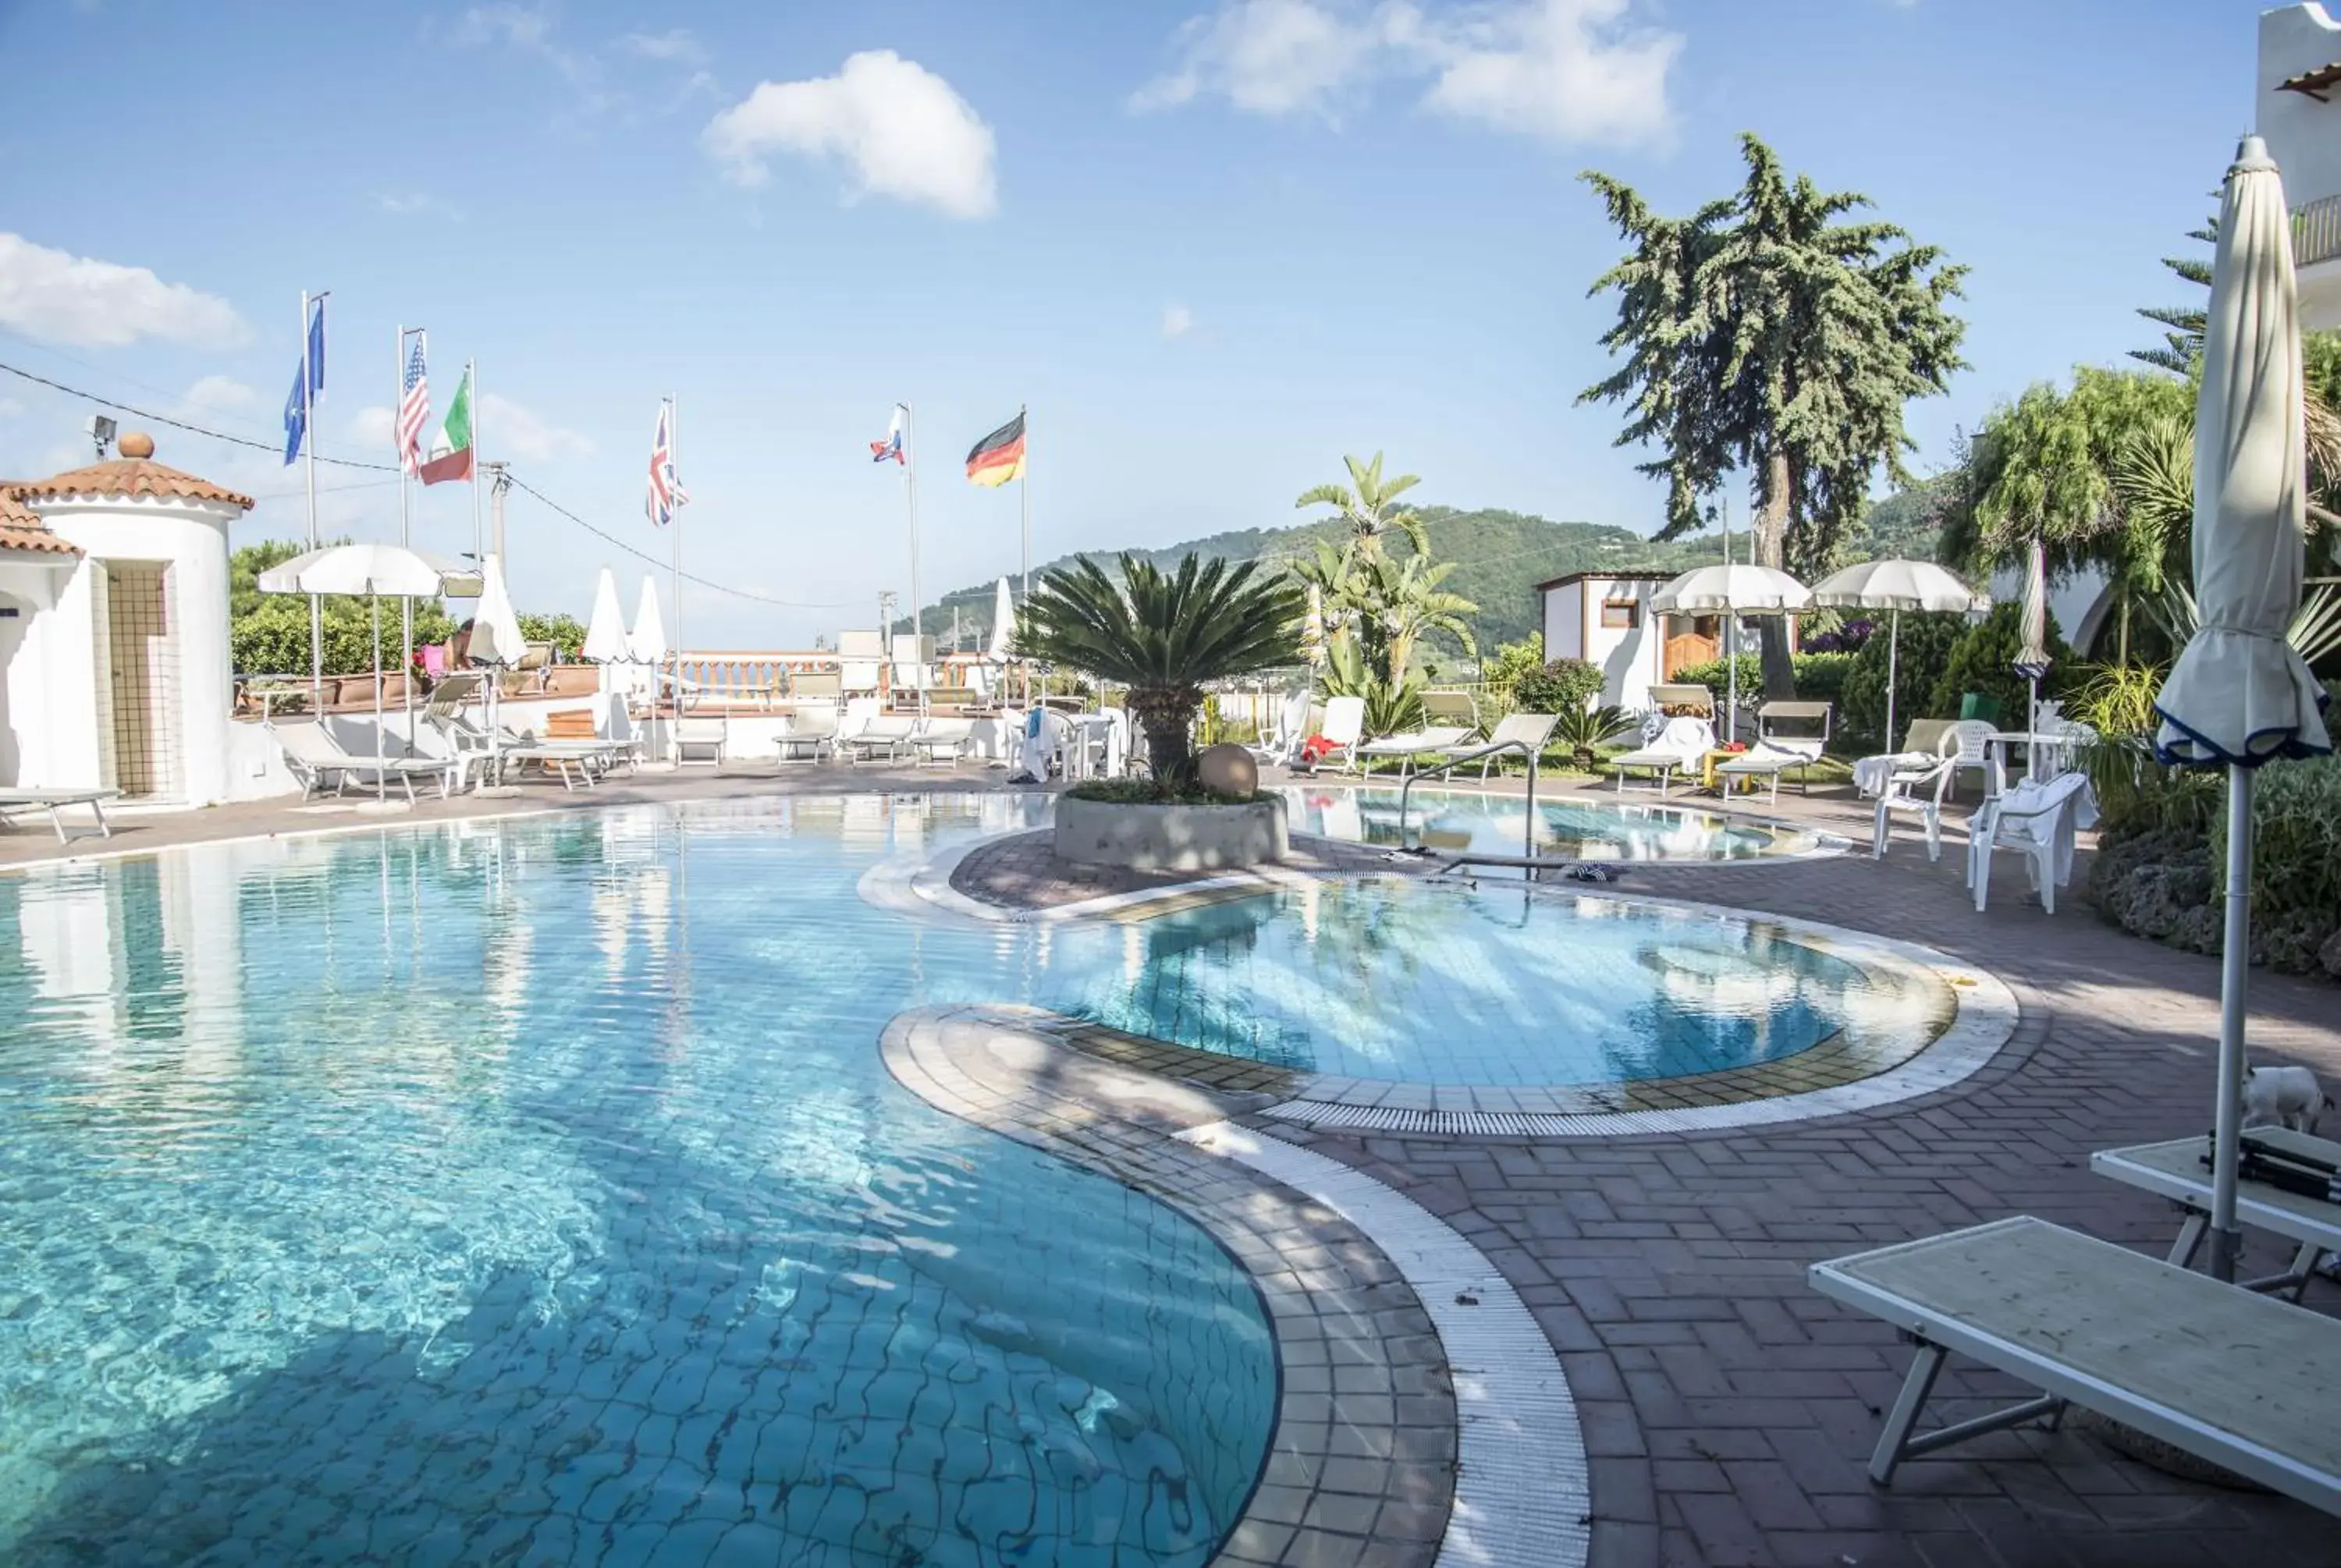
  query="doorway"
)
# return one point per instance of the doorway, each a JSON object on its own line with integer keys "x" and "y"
{"x": 142, "y": 660}
{"x": 16, "y": 620}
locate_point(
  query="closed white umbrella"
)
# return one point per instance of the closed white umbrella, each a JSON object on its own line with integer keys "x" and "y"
{"x": 2032, "y": 658}
{"x": 496, "y": 640}
{"x": 2239, "y": 696}
{"x": 1003, "y": 624}
{"x": 605, "y": 630}
{"x": 647, "y": 641}
{"x": 1895, "y": 586}
{"x": 372, "y": 570}
{"x": 1731, "y": 590}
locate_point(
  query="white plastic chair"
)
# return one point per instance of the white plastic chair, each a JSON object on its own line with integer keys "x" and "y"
{"x": 1917, "y": 789}
{"x": 1345, "y": 726}
{"x": 2038, "y": 818}
{"x": 1292, "y": 727}
{"x": 1972, "y": 737}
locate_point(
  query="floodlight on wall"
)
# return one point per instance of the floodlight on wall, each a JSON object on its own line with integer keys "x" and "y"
{"x": 101, "y": 433}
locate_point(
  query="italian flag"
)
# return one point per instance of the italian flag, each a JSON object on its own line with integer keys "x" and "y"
{"x": 450, "y": 456}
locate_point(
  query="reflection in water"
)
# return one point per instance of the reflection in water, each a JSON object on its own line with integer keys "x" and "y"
{"x": 1494, "y": 825}
{"x": 1485, "y": 984}
{"x": 534, "y": 1191}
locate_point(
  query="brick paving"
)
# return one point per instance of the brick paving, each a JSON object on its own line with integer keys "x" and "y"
{"x": 1729, "y": 1411}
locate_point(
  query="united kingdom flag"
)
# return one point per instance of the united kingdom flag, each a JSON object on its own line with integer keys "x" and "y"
{"x": 665, "y": 493}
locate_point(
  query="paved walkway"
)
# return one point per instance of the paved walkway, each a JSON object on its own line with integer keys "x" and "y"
{"x": 1729, "y": 1411}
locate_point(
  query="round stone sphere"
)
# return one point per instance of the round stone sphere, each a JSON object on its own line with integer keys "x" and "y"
{"x": 1227, "y": 769}
{"x": 135, "y": 444}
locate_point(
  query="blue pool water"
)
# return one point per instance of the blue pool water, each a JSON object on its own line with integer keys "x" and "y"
{"x": 1578, "y": 830}
{"x": 536, "y": 1193}
{"x": 1489, "y": 985}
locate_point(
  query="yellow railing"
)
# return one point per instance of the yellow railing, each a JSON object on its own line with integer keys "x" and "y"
{"x": 2317, "y": 232}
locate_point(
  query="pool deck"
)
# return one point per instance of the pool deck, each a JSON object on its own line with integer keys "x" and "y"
{"x": 1726, "y": 1411}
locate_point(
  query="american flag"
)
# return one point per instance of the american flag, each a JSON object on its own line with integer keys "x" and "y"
{"x": 665, "y": 491}
{"x": 413, "y": 410}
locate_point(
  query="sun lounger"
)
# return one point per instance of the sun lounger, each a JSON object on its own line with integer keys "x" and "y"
{"x": 15, "y": 800}
{"x": 1413, "y": 744}
{"x": 811, "y": 736}
{"x": 1344, "y": 727}
{"x": 314, "y": 758}
{"x": 2175, "y": 1170}
{"x": 1780, "y": 746}
{"x": 573, "y": 764}
{"x": 1683, "y": 744}
{"x": 698, "y": 735}
{"x": 880, "y": 738}
{"x": 941, "y": 739}
{"x": 2237, "y": 1379}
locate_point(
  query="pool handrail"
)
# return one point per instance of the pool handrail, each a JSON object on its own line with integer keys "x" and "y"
{"x": 1478, "y": 754}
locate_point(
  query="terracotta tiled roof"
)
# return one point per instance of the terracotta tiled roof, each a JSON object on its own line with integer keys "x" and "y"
{"x": 130, "y": 476}
{"x": 20, "y": 530}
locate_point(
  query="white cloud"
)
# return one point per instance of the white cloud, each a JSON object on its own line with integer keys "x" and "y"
{"x": 1178, "y": 321}
{"x": 61, "y": 298}
{"x": 1563, "y": 71}
{"x": 1270, "y": 57}
{"x": 372, "y": 430}
{"x": 899, "y": 129}
{"x": 508, "y": 430}
{"x": 220, "y": 392}
{"x": 1569, "y": 72}
{"x": 678, "y": 44}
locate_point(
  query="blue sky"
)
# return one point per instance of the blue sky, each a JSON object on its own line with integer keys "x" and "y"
{"x": 1213, "y": 245}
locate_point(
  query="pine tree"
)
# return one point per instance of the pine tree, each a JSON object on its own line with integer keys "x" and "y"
{"x": 1766, "y": 334}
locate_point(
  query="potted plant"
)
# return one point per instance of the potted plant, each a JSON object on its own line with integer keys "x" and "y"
{"x": 1163, "y": 635}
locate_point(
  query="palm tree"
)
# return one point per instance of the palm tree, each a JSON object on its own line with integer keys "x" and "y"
{"x": 1367, "y": 504}
{"x": 1163, "y": 636}
{"x": 1765, "y": 333}
{"x": 1413, "y": 605}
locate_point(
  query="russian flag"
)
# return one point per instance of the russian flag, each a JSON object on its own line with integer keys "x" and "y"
{"x": 892, "y": 447}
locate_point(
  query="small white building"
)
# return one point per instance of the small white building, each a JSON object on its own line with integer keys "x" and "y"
{"x": 1605, "y": 618}
{"x": 114, "y": 667}
{"x": 2297, "y": 109}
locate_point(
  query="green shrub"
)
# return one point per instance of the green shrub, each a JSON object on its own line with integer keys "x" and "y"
{"x": 1983, "y": 661}
{"x": 1583, "y": 731}
{"x": 2295, "y": 839}
{"x": 1559, "y": 687}
{"x": 1748, "y": 670}
{"x": 1503, "y": 672}
{"x": 1820, "y": 676}
{"x": 1925, "y": 648}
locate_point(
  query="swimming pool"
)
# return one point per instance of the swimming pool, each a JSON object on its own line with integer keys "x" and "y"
{"x": 1574, "y": 829}
{"x": 1493, "y": 985}
{"x": 536, "y": 1189}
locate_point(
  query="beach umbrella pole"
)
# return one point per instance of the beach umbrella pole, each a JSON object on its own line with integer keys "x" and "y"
{"x": 1893, "y": 672}
{"x": 2234, "y": 954}
{"x": 375, "y": 599}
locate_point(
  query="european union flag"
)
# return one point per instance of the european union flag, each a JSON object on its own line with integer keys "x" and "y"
{"x": 311, "y": 372}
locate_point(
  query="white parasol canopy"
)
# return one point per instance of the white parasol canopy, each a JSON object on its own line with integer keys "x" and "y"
{"x": 1732, "y": 590}
{"x": 605, "y": 631}
{"x": 1003, "y": 624}
{"x": 1895, "y": 586}
{"x": 2240, "y": 694}
{"x": 372, "y": 570}
{"x": 389, "y": 568}
{"x": 647, "y": 641}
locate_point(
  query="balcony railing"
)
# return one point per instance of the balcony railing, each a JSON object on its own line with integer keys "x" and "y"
{"x": 2317, "y": 232}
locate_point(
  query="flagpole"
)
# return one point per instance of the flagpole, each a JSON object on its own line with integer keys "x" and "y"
{"x": 309, "y": 484}
{"x": 1024, "y": 569}
{"x": 472, "y": 388}
{"x": 674, "y": 464}
{"x": 911, "y": 491}
{"x": 405, "y": 605}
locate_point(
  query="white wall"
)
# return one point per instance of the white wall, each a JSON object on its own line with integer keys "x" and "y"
{"x": 1631, "y": 659}
{"x": 28, "y": 709}
{"x": 190, "y": 538}
{"x": 2304, "y": 136}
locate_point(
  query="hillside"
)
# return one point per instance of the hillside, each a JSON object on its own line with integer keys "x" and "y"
{"x": 1501, "y": 556}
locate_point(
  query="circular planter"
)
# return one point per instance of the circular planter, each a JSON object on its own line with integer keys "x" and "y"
{"x": 1170, "y": 838}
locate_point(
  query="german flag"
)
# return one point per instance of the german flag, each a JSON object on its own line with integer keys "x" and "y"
{"x": 999, "y": 457}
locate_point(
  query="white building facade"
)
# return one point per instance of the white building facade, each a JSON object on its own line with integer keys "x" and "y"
{"x": 115, "y": 662}
{"x": 1606, "y": 619}
{"x": 2297, "y": 109}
